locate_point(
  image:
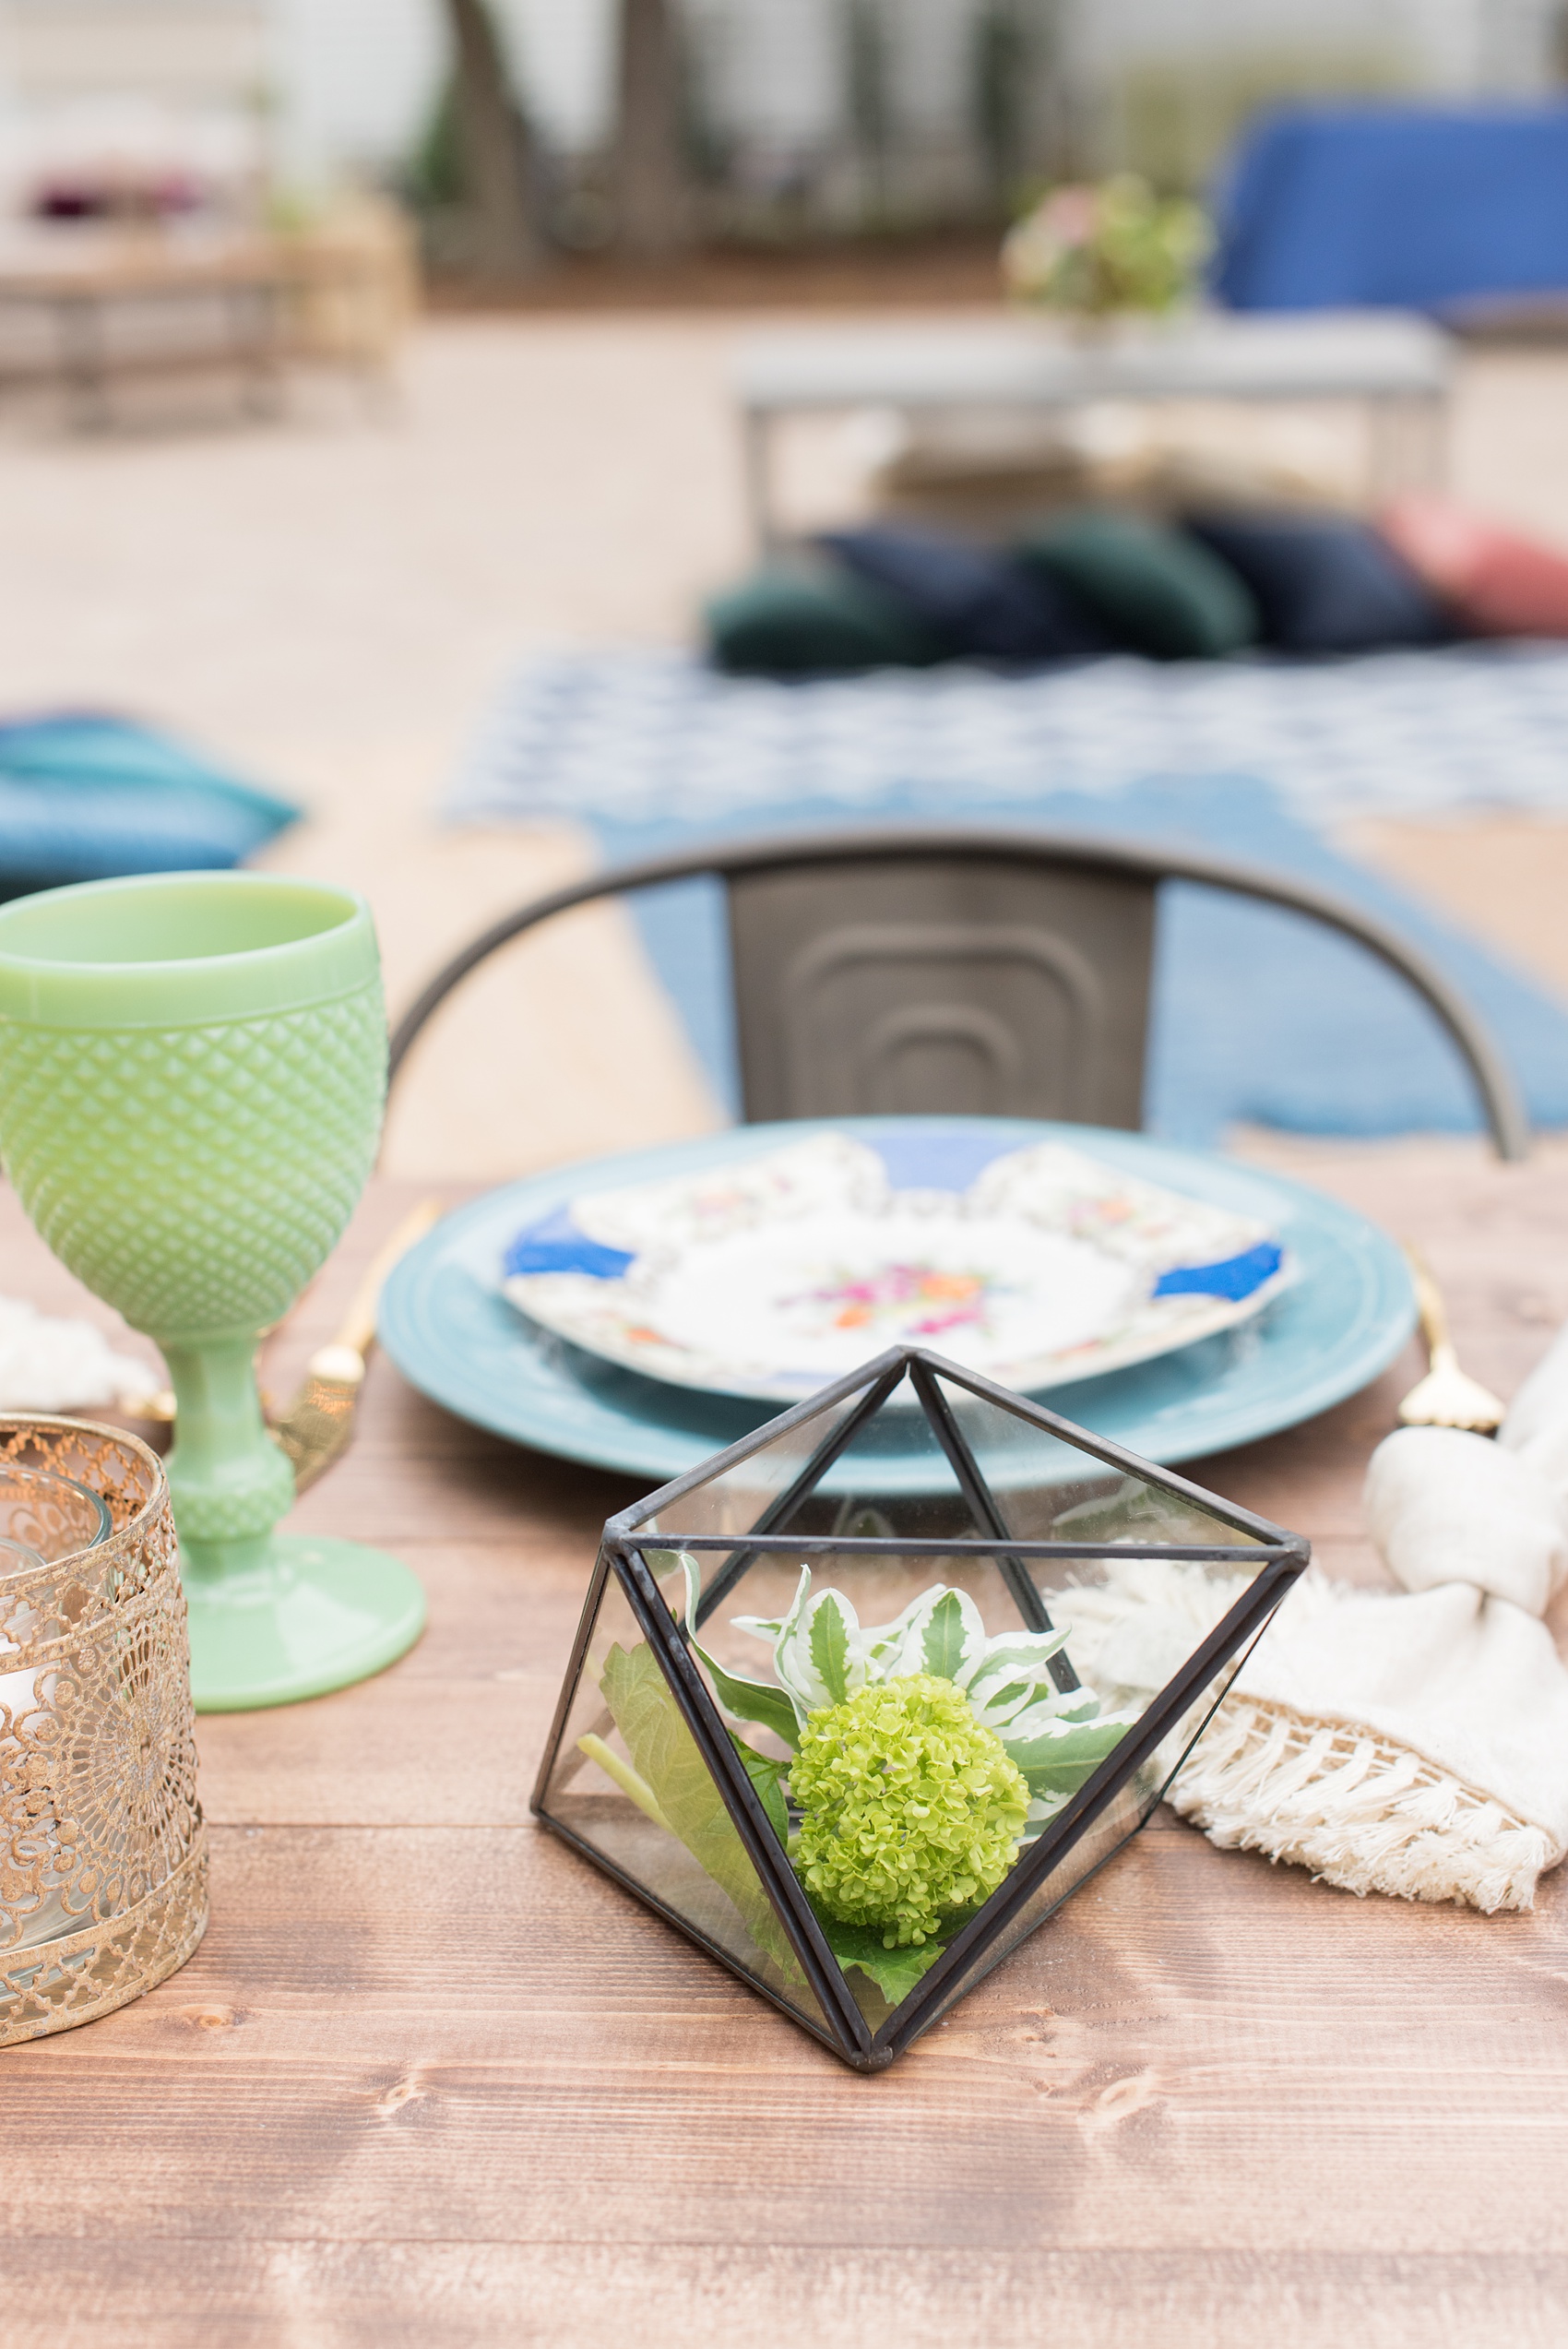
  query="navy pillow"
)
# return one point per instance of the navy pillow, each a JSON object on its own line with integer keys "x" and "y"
{"x": 1323, "y": 582}
{"x": 88, "y": 798}
{"x": 982, "y": 606}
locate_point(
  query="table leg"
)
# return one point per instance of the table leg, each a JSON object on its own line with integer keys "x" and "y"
{"x": 1407, "y": 439}
{"x": 78, "y": 320}
{"x": 756, "y": 430}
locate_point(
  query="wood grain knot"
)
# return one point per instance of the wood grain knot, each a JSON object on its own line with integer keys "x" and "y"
{"x": 392, "y": 2100}
{"x": 1122, "y": 2102}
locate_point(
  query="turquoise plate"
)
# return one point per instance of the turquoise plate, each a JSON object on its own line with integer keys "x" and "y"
{"x": 454, "y": 1336}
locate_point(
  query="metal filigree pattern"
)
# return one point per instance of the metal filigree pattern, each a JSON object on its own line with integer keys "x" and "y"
{"x": 102, "y": 1851}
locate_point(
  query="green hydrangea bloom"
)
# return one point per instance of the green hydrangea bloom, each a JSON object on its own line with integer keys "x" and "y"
{"x": 911, "y": 1811}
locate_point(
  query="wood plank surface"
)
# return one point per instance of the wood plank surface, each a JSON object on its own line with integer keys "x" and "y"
{"x": 431, "y": 2078}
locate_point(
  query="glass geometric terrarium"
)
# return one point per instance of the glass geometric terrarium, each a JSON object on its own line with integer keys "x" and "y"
{"x": 859, "y": 1702}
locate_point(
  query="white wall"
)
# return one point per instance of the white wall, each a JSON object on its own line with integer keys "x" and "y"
{"x": 355, "y": 80}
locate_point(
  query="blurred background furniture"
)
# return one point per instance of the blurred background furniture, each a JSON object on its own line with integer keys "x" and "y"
{"x": 1400, "y": 367}
{"x": 915, "y": 969}
{"x": 1436, "y": 207}
{"x": 89, "y": 308}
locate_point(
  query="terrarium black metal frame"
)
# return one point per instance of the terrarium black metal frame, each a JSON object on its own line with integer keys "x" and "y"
{"x": 1280, "y": 1556}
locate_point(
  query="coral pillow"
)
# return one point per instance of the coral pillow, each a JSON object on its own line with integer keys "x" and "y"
{"x": 1496, "y": 581}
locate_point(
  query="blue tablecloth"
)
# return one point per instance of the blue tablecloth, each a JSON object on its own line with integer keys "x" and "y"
{"x": 1405, "y": 207}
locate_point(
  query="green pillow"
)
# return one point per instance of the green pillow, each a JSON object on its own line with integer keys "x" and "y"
{"x": 1156, "y": 589}
{"x": 800, "y": 620}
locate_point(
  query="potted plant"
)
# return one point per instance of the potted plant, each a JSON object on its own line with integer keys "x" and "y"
{"x": 1096, "y": 253}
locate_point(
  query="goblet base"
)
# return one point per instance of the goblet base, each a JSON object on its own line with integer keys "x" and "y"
{"x": 309, "y": 1615}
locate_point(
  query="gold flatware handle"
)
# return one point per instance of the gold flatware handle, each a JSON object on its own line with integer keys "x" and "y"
{"x": 356, "y": 1332}
{"x": 1433, "y": 1313}
{"x": 1448, "y": 1396}
{"x": 318, "y": 1426}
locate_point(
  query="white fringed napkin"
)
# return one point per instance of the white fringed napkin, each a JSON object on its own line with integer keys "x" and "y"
{"x": 1413, "y": 1741}
{"x": 49, "y": 1363}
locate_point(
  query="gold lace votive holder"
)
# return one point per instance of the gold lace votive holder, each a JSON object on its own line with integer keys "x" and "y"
{"x": 102, "y": 1848}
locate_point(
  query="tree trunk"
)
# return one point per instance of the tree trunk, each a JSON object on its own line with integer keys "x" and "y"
{"x": 493, "y": 143}
{"x": 652, "y": 217}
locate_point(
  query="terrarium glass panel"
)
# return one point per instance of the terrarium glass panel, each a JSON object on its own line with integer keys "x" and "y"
{"x": 935, "y": 1688}
{"x": 629, "y": 1782}
{"x": 741, "y": 1494}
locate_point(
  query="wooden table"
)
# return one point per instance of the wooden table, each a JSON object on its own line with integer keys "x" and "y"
{"x": 243, "y": 303}
{"x": 430, "y": 2079}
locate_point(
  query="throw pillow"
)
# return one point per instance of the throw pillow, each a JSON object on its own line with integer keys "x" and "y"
{"x": 1495, "y": 581}
{"x": 85, "y": 798}
{"x": 789, "y": 622}
{"x": 981, "y": 605}
{"x": 1153, "y": 589}
{"x": 1323, "y": 582}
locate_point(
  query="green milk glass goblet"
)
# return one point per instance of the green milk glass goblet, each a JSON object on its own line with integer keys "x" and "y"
{"x": 192, "y": 1073}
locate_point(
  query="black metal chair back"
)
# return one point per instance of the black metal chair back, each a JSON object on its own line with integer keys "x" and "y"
{"x": 921, "y": 968}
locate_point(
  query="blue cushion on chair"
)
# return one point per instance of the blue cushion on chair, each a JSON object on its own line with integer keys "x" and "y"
{"x": 1323, "y": 582}
{"x": 83, "y": 798}
{"x": 981, "y": 605}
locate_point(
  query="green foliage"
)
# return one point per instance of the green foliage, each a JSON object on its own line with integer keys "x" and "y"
{"x": 437, "y": 175}
{"x": 665, "y": 1755}
{"x": 911, "y": 1812}
{"x": 767, "y": 1776}
{"x": 941, "y": 1643}
{"x": 1114, "y": 246}
{"x": 829, "y": 1641}
{"x": 895, "y": 1972}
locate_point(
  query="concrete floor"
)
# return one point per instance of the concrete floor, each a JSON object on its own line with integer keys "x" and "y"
{"x": 329, "y": 602}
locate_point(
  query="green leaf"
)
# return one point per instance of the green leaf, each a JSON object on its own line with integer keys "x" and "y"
{"x": 664, "y": 1753}
{"x": 760, "y": 1700}
{"x": 830, "y": 1648}
{"x": 944, "y": 1641}
{"x": 764, "y": 1774}
{"x": 1059, "y": 1765}
{"x": 895, "y": 1972}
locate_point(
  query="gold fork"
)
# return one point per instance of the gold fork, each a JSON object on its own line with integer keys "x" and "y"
{"x": 318, "y": 1426}
{"x": 1448, "y": 1396}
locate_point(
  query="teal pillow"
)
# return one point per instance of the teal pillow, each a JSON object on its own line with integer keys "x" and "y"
{"x": 1157, "y": 590}
{"x": 801, "y": 622}
{"x": 85, "y": 797}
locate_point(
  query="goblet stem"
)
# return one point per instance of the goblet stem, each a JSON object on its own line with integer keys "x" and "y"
{"x": 273, "y": 1616}
{"x": 228, "y": 1481}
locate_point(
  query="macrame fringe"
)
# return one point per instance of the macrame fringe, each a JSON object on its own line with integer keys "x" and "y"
{"x": 1360, "y": 1813}
{"x": 1359, "y": 1809}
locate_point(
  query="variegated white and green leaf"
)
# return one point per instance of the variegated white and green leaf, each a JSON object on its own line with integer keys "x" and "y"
{"x": 1013, "y": 1671}
{"x": 819, "y": 1648}
{"x": 763, "y": 1701}
{"x": 942, "y": 1633}
{"x": 1056, "y": 1762}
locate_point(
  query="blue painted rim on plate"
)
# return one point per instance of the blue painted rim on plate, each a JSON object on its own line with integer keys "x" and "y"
{"x": 445, "y": 1325}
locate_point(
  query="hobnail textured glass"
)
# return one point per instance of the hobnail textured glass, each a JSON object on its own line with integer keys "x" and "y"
{"x": 192, "y": 1073}
{"x": 231, "y": 1157}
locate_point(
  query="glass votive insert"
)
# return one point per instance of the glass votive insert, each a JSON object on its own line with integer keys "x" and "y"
{"x": 49, "y": 1516}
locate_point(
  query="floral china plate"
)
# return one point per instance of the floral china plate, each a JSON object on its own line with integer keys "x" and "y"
{"x": 768, "y": 1276}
